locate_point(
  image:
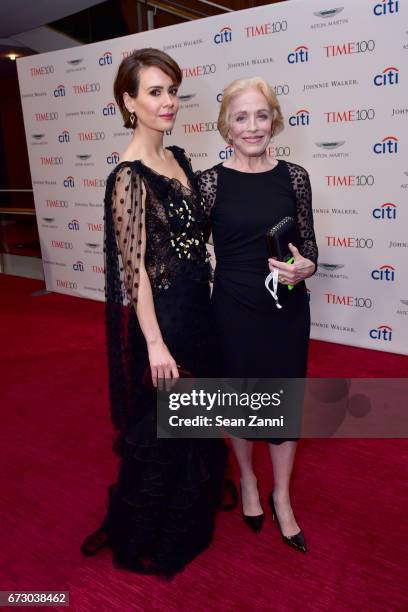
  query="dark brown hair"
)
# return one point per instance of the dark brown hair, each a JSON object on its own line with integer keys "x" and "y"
{"x": 128, "y": 75}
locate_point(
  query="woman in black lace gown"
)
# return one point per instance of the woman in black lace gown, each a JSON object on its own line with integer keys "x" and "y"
{"x": 162, "y": 508}
{"x": 245, "y": 197}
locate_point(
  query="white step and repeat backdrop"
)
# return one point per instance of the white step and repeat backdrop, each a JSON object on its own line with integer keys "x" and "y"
{"x": 341, "y": 76}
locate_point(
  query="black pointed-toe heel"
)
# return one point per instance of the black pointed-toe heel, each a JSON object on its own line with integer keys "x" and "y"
{"x": 94, "y": 542}
{"x": 296, "y": 541}
{"x": 254, "y": 522}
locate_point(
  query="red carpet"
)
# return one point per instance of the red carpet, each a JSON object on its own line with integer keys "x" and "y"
{"x": 350, "y": 496}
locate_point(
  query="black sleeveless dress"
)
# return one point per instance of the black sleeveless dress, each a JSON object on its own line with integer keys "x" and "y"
{"x": 162, "y": 508}
{"x": 255, "y": 339}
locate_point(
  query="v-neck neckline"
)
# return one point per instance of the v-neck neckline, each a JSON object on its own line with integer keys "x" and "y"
{"x": 188, "y": 187}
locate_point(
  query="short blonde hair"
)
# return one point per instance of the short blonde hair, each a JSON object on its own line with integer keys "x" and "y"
{"x": 237, "y": 87}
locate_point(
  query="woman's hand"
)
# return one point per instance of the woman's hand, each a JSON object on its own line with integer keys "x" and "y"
{"x": 162, "y": 364}
{"x": 291, "y": 274}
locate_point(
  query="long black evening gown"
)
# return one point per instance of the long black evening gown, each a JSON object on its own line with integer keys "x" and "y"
{"x": 162, "y": 508}
{"x": 255, "y": 339}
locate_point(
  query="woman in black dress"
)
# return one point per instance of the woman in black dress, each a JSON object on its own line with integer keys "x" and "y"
{"x": 162, "y": 508}
{"x": 245, "y": 197}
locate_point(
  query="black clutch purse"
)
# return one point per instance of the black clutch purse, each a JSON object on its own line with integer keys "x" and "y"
{"x": 279, "y": 236}
{"x": 148, "y": 382}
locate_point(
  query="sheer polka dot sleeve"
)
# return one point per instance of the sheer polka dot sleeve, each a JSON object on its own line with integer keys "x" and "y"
{"x": 207, "y": 184}
{"x": 304, "y": 212}
{"x": 127, "y": 215}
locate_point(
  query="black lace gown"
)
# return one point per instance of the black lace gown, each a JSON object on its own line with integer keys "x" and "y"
{"x": 162, "y": 508}
{"x": 255, "y": 339}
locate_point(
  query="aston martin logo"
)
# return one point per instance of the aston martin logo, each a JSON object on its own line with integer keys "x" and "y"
{"x": 83, "y": 157}
{"x": 92, "y": 245}
{"x": 405, "y": 302}
{"x": 186, "y": 97}
{"x": 38, "y": 136}
{"x": 330, "y": 267}
{"x": 328, "y": 12}
{"x": 75, "y": 62}
{"x": 48, "y": 219}
{"x": 335, "y": 144}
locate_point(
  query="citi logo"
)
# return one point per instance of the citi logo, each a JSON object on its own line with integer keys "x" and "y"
{"x": 61, "y": 244}
{"x": 73, "y": 225}
{"x": 105, "y": 59}
{"x": 113, "y": 158}
{"x": 389, "y": 76}
{"x": 301, "y": 117}
{"x": 41, "y": 71}
{"x": 223, "y": 36}
{"x": 59, "y": 91}
{"x": 219, "y": 97}
{"x": 52, "y": 161}
{"x": 388, "y": 145}
{"x": 78, "y": 266}
{"x": 85, "y": 88}
{"x": 384, "y": 273}
{"x": 64, "y": 136}
{"x": 388, "y": 210}
{"x": 65, "y": 284}
{"x": 69, "y": 182}
{"x": 386, "y": 7}
{"x": 95, "y": 227}
{"x": 52, "y": 116}
{"x": 88, "y": 136}
{"x": 300, "y": 55}
{"x": 56, "y": 203}
{"x": 226, "y": 153}
{"x": 382, "y": 332}
{"x": 109, "y": 110}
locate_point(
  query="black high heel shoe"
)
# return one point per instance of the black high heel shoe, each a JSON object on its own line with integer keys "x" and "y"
{"x": 296, "y": 541}
{"x": 254, "y": 522}
{"x": 94, "y": 542}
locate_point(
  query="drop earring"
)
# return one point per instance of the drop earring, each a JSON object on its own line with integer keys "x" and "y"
{"x": 132, "y": 119}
